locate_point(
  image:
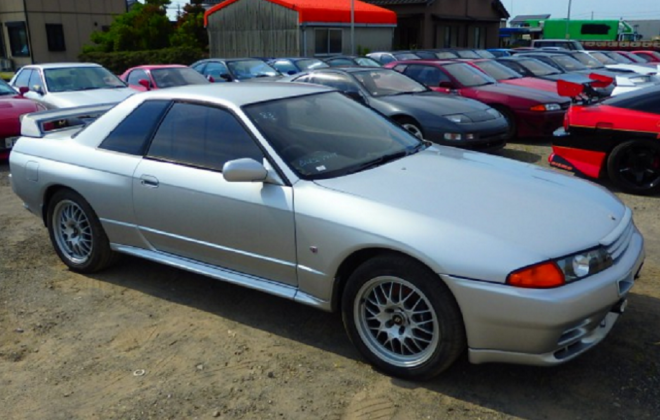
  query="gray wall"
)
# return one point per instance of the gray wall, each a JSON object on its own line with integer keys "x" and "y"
{"x": 254, "y": 28}
{"x": 373, "y": 38}
{"x": 647, "y": 28}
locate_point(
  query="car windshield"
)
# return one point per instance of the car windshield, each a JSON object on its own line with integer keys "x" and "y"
{"x": 497, "y": 71}
{"x": 175, "y": 76}
{"x": 568, "y": 63}
{"x": 305, "y": 133}
{"x": 311, "y": 64}
{"x": 367, "y": 62}
{"x": 603, "y": 58}
{"x": 249, "y": 69}
{"x": 5, "y": 89}
{"x": 467, "y": 54}
{"x": 446, "y": 54}
{"x": 634, "y": 58}
{"x": 539, "y": 68}
{"x": 485, "y": 54}
{"x": 381, "y": 82}
{"x": 405, "y": 56}
{"x": 587, "y": 60}
{"x": 619, "y": 58}
{"x": 70, "y": 79}
{"x": 468, "y": 76}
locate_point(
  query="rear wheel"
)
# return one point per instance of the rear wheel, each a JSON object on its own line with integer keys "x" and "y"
{"x": 634, "y": 166}
{"x": 402, "y": 317}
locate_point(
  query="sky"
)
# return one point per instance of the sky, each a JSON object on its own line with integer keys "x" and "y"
{"x": 583, "y": 9}
{"x": 580, "y": 9}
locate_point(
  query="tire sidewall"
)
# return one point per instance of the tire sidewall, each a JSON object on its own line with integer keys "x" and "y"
{"x": 614, "y": 162}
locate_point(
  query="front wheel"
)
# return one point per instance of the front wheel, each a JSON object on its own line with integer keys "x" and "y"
{"x": 634, "y": 166}
{"x": 402, "y": 317}
{"x": 412, "y": 126}
{"x": 76, "y": 233}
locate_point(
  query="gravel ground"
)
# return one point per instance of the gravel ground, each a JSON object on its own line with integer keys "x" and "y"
{"x": 145, "y": 341}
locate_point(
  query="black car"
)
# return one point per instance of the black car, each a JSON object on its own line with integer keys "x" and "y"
{"x": 351, "y": 61}
{"x": 444, "y": 119}
{"x": 293, "y": 65}
{"x": 235, "y": 69}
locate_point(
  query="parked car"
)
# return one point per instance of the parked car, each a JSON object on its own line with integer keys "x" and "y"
{"x": 530, "y": 112}
{"x": 504, "y": 74}
{"x": 236, "y": 69}
{"x": 12, "y": 106}
{"x": 384, "y": 57}
{"x": 297, "y": 191}
{"x": 65, "y": 85}
{"x": 295, "y": 65}
{"x": 568, "y": 44}
{"x": 614, "y": 61}
{"x": 618, "y": 138}
{"x": 529, "y": 66}
{"x": 648, "y": 56}
{"x": 445, "y": 120}
{"x": 161, "y": 76}
{"x": 633, "y": 57}
{"x": 500, "y": 52}
{"x": 351, "y": 61}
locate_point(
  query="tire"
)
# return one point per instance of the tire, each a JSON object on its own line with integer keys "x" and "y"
{"x": 412, "y": 126}
{"x": 77, "y": 234}
{"x": 402, "y": 317}
{"x": 510, "y": 119}
{"x": 634, "y": 166}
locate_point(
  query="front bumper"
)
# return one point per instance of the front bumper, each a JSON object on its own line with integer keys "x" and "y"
{"x": 489, "y": 136}
{"x": 545, "y": 326}
{"x": 538, "y": 124}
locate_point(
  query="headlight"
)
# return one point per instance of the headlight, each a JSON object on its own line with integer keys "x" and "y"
{"x": 640, "y": 79}
{"x": 458, "y": 118}
{"x": 562, "y": 270}
{"x": 545, "y": 107}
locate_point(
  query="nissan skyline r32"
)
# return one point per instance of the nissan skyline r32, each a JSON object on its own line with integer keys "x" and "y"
{"x": 298, "y": 191}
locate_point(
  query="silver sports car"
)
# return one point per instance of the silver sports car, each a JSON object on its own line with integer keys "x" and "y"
{"x": 296, "y": 190}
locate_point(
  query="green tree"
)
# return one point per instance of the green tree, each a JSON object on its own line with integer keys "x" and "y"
{"x": 190, "y": 31}
{"x": 144, "y": 27}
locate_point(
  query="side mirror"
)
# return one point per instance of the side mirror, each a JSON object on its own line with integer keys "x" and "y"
{"x": 145, "y": 84}
{"x": 446, "y": 84}
{"x": 210, "y": 79}
{"x": 244, "y": 170}
{"x": 23, "y": 90}
{"x": 356, "y": 95}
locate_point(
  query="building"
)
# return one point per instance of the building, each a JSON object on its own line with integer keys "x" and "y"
{"x": 443, "y": 24}
{"x": 280, "y": 28}
{"x": 39, "y": 31}
{"x": 648, "y": 30}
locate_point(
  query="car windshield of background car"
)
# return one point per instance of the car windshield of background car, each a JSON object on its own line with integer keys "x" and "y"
{"x": 248, "y": 69}
{"x": 467, "y": 54}
{"x": 367, "y": 62}
{"x": 305, "y": 133}
{"x": 81, "y": 78}
{"x": 619, "y": 58}
{"x": 311, "y": 64}
{"x": 405, "y": 56}
{"x": 633, "y": 57}
{"x": 169, "y": 77}
{"x": 5, "y": 89}
{"x": 388, "y": 83}
{"x": 568, "y": 63}
{"x": 588, "y": 60}
{"x": 497, "y": 71}
{"x": 539, "y": 68}
{"x": 604, "y": 59}
{"x": 468, "y": 76}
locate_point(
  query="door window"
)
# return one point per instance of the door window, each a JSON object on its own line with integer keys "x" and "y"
{"x": 136, "y": 75}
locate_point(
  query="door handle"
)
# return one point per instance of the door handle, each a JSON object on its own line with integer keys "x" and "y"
{"x": 149, "y": 181}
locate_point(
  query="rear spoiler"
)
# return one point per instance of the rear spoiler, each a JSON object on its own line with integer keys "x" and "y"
{"x": 37, "y": 124}
{"x": 586, "y": 91}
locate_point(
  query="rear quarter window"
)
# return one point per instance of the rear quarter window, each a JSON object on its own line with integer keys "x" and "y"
{"x": 133, "y": 134}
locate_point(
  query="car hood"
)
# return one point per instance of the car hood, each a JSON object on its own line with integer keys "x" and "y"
{"x": 532, "y": 83}
{"x": 87, "y": 97}
{"x": 466, "y": 203}
{"x": 439, "y": 104}
{"x": 529, "y": 94}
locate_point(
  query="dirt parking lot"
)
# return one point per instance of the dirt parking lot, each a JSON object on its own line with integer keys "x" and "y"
{"x": 145, "y": 341}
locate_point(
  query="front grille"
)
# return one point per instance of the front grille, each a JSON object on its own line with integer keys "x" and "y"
{"x": 620, "y": 244}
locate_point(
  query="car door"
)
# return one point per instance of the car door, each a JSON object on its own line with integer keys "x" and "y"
{"x": 184, "y": 206}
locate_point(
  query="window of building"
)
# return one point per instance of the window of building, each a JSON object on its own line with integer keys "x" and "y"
{"x": 18, "y": 40}
{"x": 479, "y": 37}
{"x": 328, "y": 41}
{"x": 55, "y": 37}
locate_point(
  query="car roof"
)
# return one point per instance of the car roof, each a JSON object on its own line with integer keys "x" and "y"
{"x": 159, "y": 66}
{"x": 47, "y": 66}
{"x": 239, "y": 94}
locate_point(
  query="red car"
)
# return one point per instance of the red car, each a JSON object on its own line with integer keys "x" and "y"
{"x": 530, "y": 112}
{"x": 161, "y": 76}
{"x": 12, "y": 106}
{"x": 503, "y": 74}
{"x": 618, "y": 137}
{"x": 649, "y": 56}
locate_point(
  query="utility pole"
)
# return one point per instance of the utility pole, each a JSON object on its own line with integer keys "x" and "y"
{"x": 568, "y": 20}
{"x": 352, "y": 27}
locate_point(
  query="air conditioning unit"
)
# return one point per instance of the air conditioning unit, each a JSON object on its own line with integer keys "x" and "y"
{"x": 6, "y": 64}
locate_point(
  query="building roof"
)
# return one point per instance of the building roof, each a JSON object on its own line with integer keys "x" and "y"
{"x": 522, "y": 18}
{"x": 326, "y": 11}
{"x": 398, "y": 2}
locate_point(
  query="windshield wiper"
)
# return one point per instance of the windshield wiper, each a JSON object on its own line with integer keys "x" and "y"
{"x": 379, "y": 161}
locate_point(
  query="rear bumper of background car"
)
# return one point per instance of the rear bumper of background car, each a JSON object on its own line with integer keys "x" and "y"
{"x": 545, "y": 326}
{"x": 538, "y": 124}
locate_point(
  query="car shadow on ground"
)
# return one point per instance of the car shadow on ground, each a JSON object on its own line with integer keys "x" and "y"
{"x": 620, "y": 378}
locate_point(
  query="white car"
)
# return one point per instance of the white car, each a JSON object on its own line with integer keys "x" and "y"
{"x": 66, "y": 85}
{"x": 609, "y": 62}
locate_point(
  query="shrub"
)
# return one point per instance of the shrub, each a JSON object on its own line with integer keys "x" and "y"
{"x": 119, "y": 62}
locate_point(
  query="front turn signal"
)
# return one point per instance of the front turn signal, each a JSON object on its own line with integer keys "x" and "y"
{"x": 539, "y": 276}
